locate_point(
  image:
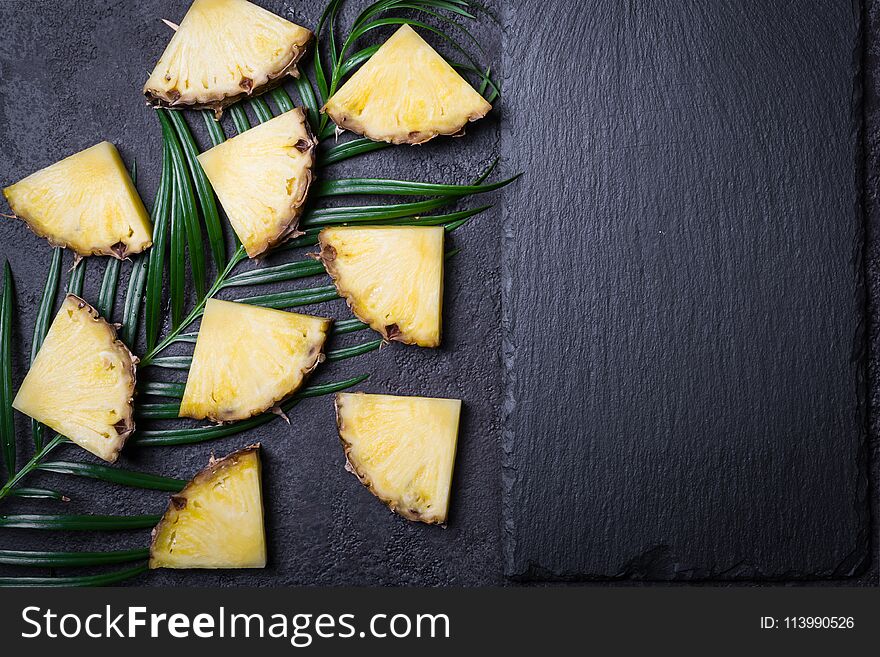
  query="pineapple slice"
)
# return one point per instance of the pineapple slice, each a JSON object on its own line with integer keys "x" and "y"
{"x": 85, "y": 202}
{"x": 82, "y": 381}
{"x": 262, "y": 177}
{"x": 391, "y": 277}
{"x": 225, "y": 50}
{"x": 216, "y": 521}
{"x": 402, "y": 449}
{"x": 248, "y": 358}
{"x": 406, "y": 94}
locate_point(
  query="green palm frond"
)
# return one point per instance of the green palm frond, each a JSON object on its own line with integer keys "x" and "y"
{"x": 189, "y": 236}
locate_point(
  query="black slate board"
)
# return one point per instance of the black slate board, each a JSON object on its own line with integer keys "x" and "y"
{"x": 683, "y": 301}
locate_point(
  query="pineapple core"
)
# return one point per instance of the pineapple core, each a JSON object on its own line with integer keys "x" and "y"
{"x": 262, "y": 177}
{"x": 249, "y": 358}
{"x": 406, "y": 94}
{"x": 402, "y": 449}
{"x": 222, "y": 51}
{"x": 391, "y": 276}
{"x": 82, "y": 381}
{"x": 216, "y": 521}
{"x": 85, "y": 202}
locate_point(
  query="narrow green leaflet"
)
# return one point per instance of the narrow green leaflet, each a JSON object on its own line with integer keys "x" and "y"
{"x": 156, "y": 267}
{"x": 114, "y": 475}
{"x": 348, "y": 326}
{"x": 186, "y": 209}
{"x": 61, "y": 522}
{"x": 77, "y": 276}
{"x": 307, "y": 96}
{"x": 192, "y": 435}
{"x": 350, "y": 352}
{"x": 162, "y": 389}
{"x": 372, "y": 213}
{"x": 172, "y": 362}
{"x": 177, "y": 262}
{"x": 294, "y": 298}
{"x": 137, "y": 279}
{"x": 277, "y": 274}
{"x": 41, "y": 326}
{"x": 105, "y": 579}
{"x": 239, "y": 118}
{"x": 282, "y": 99}
{"x": 7, "y": 425}
{"x": 350, "y": 186}
{"x": 107, "y": 295}
{"x": 261, "y": 109}
{"x": 215, "y": 130}
{"x": 38, "y": 494}
{"x": 35, "y": 558}
{"x": 203, "y": 188}
{"x": 346, "y": 150}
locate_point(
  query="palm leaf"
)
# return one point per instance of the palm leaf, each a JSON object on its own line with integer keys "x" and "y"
{"x": 192, "y": 435}
{"x": 203, "y": 188}
{"x": 7, "y": 425}
{"x": 215, "y": 130}
{"x": 261, "y": 109}
{"x": 62, "y": 522}
{"x": 107, "y": 295}
{"x": 186, "y": 215}
{"x": 38, "y": 494}
{"x": 350, "y": 186}
{"x": 42, "y": 559}
{"x": 114, "y": 475}
{"x": 77, "y": 276}
{"x": 156, "y": 262}
{"x": 105, "y": 579}
{"x": 41, "y": 325}
{"x": 239, "y": 118}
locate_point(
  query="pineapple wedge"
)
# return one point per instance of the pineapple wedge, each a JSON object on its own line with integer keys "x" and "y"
{"x": 402, "y": 449}
{"x": 248, "y": 358}
{"x": 82, "y": 381}
{"x": 406, "y": 94}
{"x": 216, "y": 521}
{"x": 85, "y": 202}
{"x": 262, "y": 177}
{"x": 391, "y": 277}
{"x": 225, "y": 50}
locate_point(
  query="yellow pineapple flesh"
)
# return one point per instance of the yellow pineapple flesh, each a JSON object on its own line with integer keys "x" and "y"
{"x": 406, "y": 93}
{"x": 85, "y": 202}
{"x": 402, "y": 449}
{"x": 222, "y": 51}
{"x": 391, "y": 277}
{"x": 262, "y": 178}
{"x": 81, "y": 382}
{"x": 247, "y": 359}
{"x": 216, "y": 521}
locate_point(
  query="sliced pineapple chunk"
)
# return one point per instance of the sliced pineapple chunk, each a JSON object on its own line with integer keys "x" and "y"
{"x": 82, "y": 381}
{"x": 391, "y": 277}
{"x": 249, "y": 358}
{"x": 85, "y": 202}
{"x": 262, "y": 178}
{"x": 222, "y": 51}
{"x": 402, "y": 449}
{"x": 406, "y": 94}
{"x": 216, "y": 521}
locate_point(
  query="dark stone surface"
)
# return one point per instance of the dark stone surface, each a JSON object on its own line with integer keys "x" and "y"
{"x": 683, "y": 299}
{"x": 70, "y": 75}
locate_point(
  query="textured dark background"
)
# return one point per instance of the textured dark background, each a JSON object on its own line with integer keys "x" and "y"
{"x": 70, "y": 75}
